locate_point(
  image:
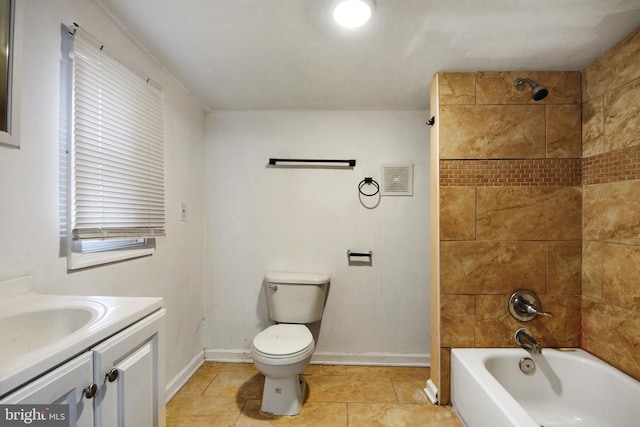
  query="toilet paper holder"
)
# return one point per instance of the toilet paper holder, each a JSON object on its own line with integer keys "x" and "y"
{"x": 359, "y": 254}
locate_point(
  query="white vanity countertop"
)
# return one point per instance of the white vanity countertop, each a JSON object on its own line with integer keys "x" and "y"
{"x": 39, "y": 332}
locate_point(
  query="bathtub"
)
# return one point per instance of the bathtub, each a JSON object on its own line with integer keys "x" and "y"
{"x": 567, "y": 388}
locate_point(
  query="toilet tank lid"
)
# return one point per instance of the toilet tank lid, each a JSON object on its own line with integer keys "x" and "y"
{"x": 301, "y": 278}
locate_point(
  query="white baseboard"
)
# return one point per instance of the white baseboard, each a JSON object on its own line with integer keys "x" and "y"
{"x": 371, "y": 359}
{"x": 432, "y": 392}
{"x": 330, "y": 358}
{"x": 183, "y": 376}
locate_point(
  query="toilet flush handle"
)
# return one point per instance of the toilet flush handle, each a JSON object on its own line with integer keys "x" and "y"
{"x": 273, "y": 287}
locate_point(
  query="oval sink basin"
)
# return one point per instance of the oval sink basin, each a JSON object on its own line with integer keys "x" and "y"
{"x": 39, "y": 332}
{"x": 23, "y": 332}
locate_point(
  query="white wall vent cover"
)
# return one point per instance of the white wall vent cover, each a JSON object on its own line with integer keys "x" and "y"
{"x": 397, "y": 179}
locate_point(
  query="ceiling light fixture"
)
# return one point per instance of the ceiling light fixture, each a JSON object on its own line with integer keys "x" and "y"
{"x": 352, "y": 13}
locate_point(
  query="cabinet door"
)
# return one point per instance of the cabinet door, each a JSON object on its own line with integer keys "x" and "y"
{"x": 129, "y": 368}
{"x": 63, "y": 385}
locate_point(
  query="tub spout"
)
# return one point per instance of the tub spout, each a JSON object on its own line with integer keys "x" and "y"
{"x": 525, "y": 339}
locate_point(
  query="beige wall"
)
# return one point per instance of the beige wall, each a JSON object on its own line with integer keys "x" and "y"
{"x": 611, "y": 213}
{"x": 32, "y": 210}
{"x": 269, "y": 219}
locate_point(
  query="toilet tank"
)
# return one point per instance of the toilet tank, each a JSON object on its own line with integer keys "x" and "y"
{"x": 296, "y": 297}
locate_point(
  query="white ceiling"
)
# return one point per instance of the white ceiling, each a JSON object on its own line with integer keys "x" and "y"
{"x": 289, "y": 54}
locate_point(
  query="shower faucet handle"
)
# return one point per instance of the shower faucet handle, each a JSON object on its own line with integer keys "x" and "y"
{"x": 525, "y": 305}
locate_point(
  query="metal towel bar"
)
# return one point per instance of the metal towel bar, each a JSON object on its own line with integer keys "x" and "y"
{"x": 273, "y": 161}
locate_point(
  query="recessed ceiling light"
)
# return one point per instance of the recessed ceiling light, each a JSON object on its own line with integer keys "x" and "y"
{"x": 352, "y": 13}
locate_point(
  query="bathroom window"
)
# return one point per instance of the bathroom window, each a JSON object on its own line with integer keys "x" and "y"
{"x": 115, "y": 162}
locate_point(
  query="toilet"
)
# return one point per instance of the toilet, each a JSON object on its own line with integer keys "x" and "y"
{"x": 282, "y": 351}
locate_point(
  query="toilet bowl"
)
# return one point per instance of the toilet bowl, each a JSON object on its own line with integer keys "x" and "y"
{"x": 282, "y": 351}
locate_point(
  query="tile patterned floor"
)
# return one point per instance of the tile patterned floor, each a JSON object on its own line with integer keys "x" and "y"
{"x": 228, "y": 394}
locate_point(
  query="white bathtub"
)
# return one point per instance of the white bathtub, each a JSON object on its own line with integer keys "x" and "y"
{"x": 567, "y": 388}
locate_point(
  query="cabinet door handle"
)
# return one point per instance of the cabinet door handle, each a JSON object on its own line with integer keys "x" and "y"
{"x": 90, "y": 391}
{"x": 112, "y": 375}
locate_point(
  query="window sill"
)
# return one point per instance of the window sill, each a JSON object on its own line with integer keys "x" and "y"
{"x": 78, "y": 261}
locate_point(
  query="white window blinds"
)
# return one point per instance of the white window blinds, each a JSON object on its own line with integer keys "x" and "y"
{"x": 117, "y": 158}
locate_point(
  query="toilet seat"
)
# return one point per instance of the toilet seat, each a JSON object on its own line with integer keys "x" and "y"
{"x": 283, "y": 342}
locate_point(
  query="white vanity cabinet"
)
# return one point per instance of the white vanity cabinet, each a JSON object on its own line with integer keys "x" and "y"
{"x": 63, "y": 385}
{"x": 119, "y": 382}
{"x": 127, "y": 368}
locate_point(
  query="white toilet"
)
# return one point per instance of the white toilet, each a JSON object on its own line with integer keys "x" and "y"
{"x": 282, "y": 351}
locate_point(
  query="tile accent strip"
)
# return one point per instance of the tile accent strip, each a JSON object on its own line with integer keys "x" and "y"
{"x": 613, "y": 166}
{"x": 510, "y": 173}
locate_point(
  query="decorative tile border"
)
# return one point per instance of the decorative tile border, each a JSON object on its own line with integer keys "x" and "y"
{"x": 510, "y": 173}
{"x": 614, "y": 166}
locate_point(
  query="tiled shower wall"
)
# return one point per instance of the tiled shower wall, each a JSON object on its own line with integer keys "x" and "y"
{"x": 544, "y": 196}
{"x": 510, "y": 208}
{"x": 611, "y": 212}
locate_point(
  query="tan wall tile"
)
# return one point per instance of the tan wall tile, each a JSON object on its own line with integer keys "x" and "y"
{"x": 622, "y": 117}
{"x": 491, "y": 267}
{"x": 529, "y": 213}
{"x": 611, "y": 218}
{"x": 516, "y": 172}
{"x": 612, "y": 166}
{"x": 492, "y": 131}
{"x": 621, "y": 276}
{"x": 593, "y": 127}
{"x": 498, "y": 87}
{"x": 564, "y": 262}
{"x": 614, "y": 68}
{"x": 457, "y": 88}
{"x": 592, "y": 265}
{"x": 613, "y": 334}
{"x": 496, "y": 327}
{"x": 564, "y": 132}
{"x": 457, "y": 213}
{"x": 457, "y": 321}
{"x": 444, "y": 393}
{"x": 563, "y": 328}
{"x": 611, "y": 214}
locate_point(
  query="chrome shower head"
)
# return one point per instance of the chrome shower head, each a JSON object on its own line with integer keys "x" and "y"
{"x": 538, "y": 91}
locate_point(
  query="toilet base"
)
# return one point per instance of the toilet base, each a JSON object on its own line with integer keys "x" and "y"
{"x": 283, "y": 396}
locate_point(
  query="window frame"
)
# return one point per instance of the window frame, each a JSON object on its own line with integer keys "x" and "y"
{"x": 91, "y": 252}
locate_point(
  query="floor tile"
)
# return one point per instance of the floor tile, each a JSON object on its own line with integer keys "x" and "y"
{"x": 228, "y": 367}
{"x": 222, "y": 420}
{"x": 245, "y": 385}
{"x": 313, "y": 414}
{"x": 350, "y": 389}
{"x": 229, "y": 394}
{"x": 198, "y": 382}
{"x": 389, "y": 371}
{"x": 187, "y": 405}
{"x": 397, "y": 414}
{"x": 410, "y": 390}
{"x": 325, "y": 370}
